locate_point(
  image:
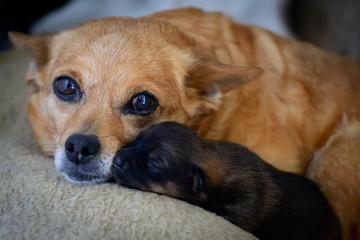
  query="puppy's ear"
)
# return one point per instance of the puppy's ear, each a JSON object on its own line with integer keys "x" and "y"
{"x": 197, "y": 179}
{"x": 209, "y": 77}
{"x": 38, "y": 47}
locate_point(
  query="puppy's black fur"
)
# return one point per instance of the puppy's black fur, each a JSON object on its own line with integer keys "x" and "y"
{"x": 227, "y": 179}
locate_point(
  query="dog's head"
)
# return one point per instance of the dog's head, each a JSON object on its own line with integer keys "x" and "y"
{"x": 164, "y": 159}
{"x": 97, "y": 86}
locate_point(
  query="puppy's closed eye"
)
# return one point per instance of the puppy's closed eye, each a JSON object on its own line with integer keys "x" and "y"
{"x": 67, "y": 89}
{"x": 155, "y": 164}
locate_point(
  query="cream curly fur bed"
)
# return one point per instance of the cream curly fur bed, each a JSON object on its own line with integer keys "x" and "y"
{"x": 36, "y": 202}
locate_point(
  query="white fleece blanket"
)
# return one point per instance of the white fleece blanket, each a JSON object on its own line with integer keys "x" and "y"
{"x": 36, "y": 202}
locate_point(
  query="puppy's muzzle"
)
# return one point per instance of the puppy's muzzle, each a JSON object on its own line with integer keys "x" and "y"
{"x": 122, "y": 159}
{"x": 124, "y": 166}
{"x": 80, "y": 149}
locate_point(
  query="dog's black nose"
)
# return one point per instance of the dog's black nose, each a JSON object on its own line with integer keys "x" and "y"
{"x": 81, "y": 148}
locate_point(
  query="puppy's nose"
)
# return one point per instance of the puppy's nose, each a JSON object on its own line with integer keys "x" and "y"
{"x": 122, "y": 158}
{"x": 119, "y": 160}
{"x": 81, "y": 148}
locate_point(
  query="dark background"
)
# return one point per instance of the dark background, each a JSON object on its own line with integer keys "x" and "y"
{"x": 19, "y": 15}
{"x": 330, "y": 24}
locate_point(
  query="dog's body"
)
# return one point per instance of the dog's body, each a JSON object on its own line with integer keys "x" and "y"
{"x": 228, "y": 179}
{"x": 109, "y": 79}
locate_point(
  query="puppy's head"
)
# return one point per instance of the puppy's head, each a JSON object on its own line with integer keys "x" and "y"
{"x": 97, "y": 86}
{"x": 164, "y": 159}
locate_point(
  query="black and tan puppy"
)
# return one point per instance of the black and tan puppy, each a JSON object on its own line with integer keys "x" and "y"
{"x": 227, "y": 179}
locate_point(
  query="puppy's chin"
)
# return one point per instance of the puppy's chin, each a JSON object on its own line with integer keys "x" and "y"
{"x": 96, "y": 170}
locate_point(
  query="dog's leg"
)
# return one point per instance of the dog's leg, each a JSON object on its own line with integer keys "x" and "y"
{"x": 336, "y": 169}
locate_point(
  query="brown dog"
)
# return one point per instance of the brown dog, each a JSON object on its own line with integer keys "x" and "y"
{"x": 109, "y": 79}
{"x": 228, "y": 179}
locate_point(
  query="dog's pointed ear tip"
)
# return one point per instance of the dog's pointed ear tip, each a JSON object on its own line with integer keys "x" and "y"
{"x": 13, "y": 35}
{"x": 17, "y": 38}
{"x": 20, "y": 39}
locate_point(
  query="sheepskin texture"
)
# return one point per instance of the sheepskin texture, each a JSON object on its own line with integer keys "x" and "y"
{"x": 36, "y": 202}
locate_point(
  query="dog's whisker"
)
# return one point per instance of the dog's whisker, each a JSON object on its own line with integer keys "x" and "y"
{"x": 103, "y": 137}
{"x": 48, "y": 146}
{"x": 56, "y": 138}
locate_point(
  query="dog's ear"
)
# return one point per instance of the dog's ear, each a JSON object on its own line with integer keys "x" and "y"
{"x": 209, "y": 77}
{"x": 207, "y": 81}
{"x": 197, "y": 179}
{"x": 38, "y": 47}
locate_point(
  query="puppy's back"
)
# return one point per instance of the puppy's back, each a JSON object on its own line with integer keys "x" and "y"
{"x": 282, "y": 205}
{"x": 302, "y": 209}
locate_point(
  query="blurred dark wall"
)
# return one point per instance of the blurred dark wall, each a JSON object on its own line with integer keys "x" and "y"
{"x": 19, "y": 15}
{"x": 330, "y": 24}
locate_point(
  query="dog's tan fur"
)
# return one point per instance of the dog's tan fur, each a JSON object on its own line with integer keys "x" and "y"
{"x": 336, "y": 170}
{"x": 205, "y": 71}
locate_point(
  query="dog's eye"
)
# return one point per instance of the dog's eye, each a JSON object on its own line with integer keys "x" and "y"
{"x": 142, "y": 103}
{"x": 66, "y": 89}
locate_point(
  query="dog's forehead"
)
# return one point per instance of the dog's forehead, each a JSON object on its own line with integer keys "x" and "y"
{"x": 99, "y": 53}
{"x": 109, "y": 55}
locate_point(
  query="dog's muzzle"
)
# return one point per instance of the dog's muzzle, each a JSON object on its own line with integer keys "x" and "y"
{"x": 80, "y": 149}
{"x": 81, "y": 162}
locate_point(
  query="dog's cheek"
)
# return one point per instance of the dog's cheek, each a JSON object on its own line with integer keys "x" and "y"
{"x": 41, "y": 124}
{"x": 197, "y": 113}
{"x": 142, "y": 122}
{"x": 134, "y": 124}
